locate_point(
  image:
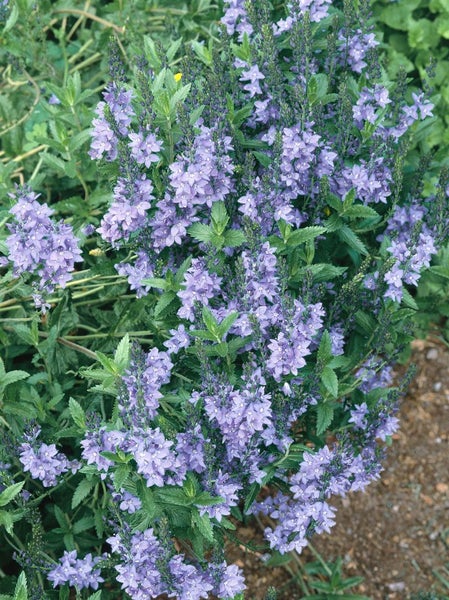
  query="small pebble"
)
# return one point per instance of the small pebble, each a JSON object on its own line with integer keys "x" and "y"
{"x": 437, "y": 386}
{"x": 398, "y": 586}
{"x": 432, "y": 354}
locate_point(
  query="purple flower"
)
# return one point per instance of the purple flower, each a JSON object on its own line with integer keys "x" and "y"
{"x": 142, "y": 268}
{"x": 200, "y": 286}
{"x": 253, "y": 76}
{"x": 45, "y": 463}
{"x": 355, "y": 46}
{"x": 144, "y": 148}
{"x": 128, "y": 211}
{"x": 143, "y": 380}
{"x": 40, "y": 247}
{"x": 78, "y": 572}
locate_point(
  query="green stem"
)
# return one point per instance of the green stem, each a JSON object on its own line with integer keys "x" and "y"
{"x": 71, "y": 345}
{"x": 318, "y": 556}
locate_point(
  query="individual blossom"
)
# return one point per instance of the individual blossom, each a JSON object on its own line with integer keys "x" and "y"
{"x": 40, "y": 247}
{"x": 142, "y": 268}
{"x": 144, "y": 148}
{"x": 253, "y": 76}
{"x": 80, "y": 573}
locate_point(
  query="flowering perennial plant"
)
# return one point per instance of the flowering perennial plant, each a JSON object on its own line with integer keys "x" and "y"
{"x": 261, "y": 216}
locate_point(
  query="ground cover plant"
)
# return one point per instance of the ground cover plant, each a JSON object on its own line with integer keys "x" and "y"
{"x": 218, "y": 341}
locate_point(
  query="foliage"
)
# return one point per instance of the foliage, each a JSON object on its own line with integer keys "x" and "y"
{"x": 251, "y": 247}
{"x": 415, "y": 35}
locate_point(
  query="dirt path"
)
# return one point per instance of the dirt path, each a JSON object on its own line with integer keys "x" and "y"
{"x": 396, "y": 535}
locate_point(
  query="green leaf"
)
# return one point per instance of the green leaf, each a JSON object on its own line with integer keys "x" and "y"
{"x": 12, "y": 19}
{"x": 304, "y": 235}
{"x": 77, "y": 413}
{"x": 398, "y": 15}
{"x": 121, "y": 474}
{"x": 210, "y": 321}
{"x": 203, "y": 524}
{"x": 95, "y": 596}
{"x": 121, "y": 356}
{"x": 59, "y": 165}
{"x": 360, "y": 211}
{"x": 107, "y": 362}
{"x": 346, "y": 235}
{"x": 234, "y": 237}
{"x": 20, "y": 591}
{"x": 219, "y": 216}
{"x": 330, "y": 381}
{"x": 12, "y": 377}
{"x": 82, "y": 491}
{"x": 366, "y": 321}
{"x": 408, "y": 300}
{"x": 325, "y": 414}
{"x": 227, "y": 323}
{"x": 325, "y": 348}
{"x": 10, "y": 492}
{"x": 200, "y": 232}
{"x": 156, "y": 282}
{"x": 164, "y": 302}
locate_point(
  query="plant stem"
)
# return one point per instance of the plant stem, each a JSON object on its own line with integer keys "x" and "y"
{"x": 87, "y": 15}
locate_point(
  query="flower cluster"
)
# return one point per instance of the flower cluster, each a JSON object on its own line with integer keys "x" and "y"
{"x": 78, "y": 572}
{"x": 148, "y": 568}
{"x": 44, "y": 461}
{"x": 40, "y": 247}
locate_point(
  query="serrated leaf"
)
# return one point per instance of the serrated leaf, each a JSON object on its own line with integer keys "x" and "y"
{"x": 59, "y": 165}
{"x": 234, "y": 237}
{"x": 82, "y": 491}
{"x": 346, "y": 235}
{"x": 305, "y": 234}
{"x": 164, "y": 302}
{"x": 219, "y": 215}
{"x": 360, "y": 211}
{"x": 156, "y": 282}
{"x": 203, "y": 524}
{"x": 325, "y": 348}
{"x": 10, "y": 492}
{"x": 121, "y": 474}
{"x": 366, "y": 321}
{"x": 83, "y": 524}
{"x": 330, "y": 381}
{"x": 408, "y": 299}
{"x": 12, "y": 377}
{"x": 325, "y": 414}
{"x": 77, "y": 413}
{"x": 20, "y": 591}
{"x": 200, "y": 232}
{"x": 95, "y": 596}
{"x": 227, "y": 323}
{"x": 121, "y": 356}
{"x": 107, "y": 362}
{"x": 210, "y": 321}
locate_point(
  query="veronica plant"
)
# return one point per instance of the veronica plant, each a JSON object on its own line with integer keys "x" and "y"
{"x": 258, "y": 212}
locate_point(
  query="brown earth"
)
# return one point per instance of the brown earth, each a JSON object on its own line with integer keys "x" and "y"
{"x": 396, "y": 534}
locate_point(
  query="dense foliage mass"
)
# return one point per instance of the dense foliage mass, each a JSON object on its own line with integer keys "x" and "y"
{"x": 260, "y": 250}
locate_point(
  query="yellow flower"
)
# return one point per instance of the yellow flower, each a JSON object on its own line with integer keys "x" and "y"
{"x": 178, "y": 77}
